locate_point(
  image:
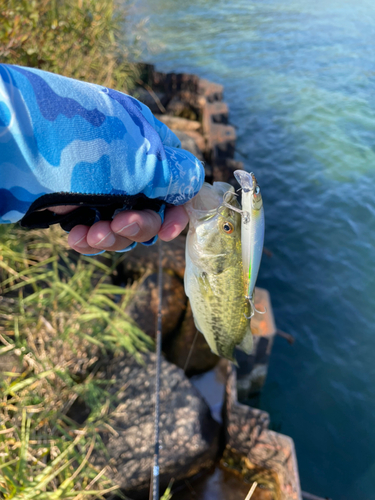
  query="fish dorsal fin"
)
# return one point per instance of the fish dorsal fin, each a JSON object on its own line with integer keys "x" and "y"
{"x": 247, "y": 342}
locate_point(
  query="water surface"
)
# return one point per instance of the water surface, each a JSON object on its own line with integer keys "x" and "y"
{"x": 299, "y": 78}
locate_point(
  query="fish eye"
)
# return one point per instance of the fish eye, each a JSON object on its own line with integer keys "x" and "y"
{"x": 228, "y": 227}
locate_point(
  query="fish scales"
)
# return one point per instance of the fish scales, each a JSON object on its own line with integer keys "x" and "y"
{"x": 213, "y": 276}
{"x": 219, "y": 311}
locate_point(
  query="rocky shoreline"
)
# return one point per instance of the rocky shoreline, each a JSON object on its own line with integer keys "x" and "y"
{"x": 192, "y": 441}
{"x": 203, "y": 427}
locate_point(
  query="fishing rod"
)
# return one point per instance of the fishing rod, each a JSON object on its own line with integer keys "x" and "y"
{"x": 155, "y": 468}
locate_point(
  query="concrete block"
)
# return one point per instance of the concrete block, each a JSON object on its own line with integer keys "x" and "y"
{"x": 178, "y": 123}
{"x": 175, "y": 82}
{"x": 221, "y": 141}
{"x": 218, "y": 111}
{"x": 253, "y": 368}
{"x": 263, "y": 451}
{"x": 210, "y": 90}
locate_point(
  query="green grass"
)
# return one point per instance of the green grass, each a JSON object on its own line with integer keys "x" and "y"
{"x": 83, "y": 39}
{"x": 168, "y": 492}
{"x": 59, "y": 317}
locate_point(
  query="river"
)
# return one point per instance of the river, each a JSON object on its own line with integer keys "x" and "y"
{"x": 299, "y": 79}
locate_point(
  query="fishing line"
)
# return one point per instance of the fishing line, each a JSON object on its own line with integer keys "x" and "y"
{"x": 191, "y": 350}
{"x": 155, "y": 468}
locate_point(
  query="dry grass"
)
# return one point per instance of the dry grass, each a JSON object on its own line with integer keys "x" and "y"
{"x": 83, "y": 39}
{"x": 58, "y": 318}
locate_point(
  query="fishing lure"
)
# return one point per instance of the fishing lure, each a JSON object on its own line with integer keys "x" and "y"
{"x": 252, "y": 232}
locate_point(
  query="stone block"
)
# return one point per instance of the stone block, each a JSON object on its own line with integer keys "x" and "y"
{"x": 263, "y": 451}
{"x": 252, "y": 369}
{"x": 143, "y": 307}
{"x": 210, "y": 90}
{"x": 218, "y": 111}
{"x": 178, "y": 347}
{"x": 178, "y": 123}
{"x": 198, "y": 138}
{"x": 178, "y": 107}
{"x": 221, "y": 141}
{"x": 188, "y": 433}
{"x": 145, "y": 259}
{"x": 196, "y": 101}
{"x": 176, "y": 82}
{"x": 146, "y": 73}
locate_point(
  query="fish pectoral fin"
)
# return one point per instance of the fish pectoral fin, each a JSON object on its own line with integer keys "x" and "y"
{"x": 204, "y": 283}
{"x": 247, "y": 343}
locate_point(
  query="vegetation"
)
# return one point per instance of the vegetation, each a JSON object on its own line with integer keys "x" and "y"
{"x": 60, "y": 315}
{"x": 83, "y": 39}
{"x": 59, "y": 318}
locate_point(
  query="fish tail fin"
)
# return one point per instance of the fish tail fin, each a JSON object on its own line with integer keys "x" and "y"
{"x": 231, "y": 357}
{"x": 234, "y": 361}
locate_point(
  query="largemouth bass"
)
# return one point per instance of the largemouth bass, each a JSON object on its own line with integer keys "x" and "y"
{"x": 214, "y": 279}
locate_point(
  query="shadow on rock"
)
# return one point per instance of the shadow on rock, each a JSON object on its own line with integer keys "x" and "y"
{"x": 188, "y": 434}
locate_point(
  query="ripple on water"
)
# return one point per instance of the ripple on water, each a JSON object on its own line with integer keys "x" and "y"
{"x": 299, "y": 79}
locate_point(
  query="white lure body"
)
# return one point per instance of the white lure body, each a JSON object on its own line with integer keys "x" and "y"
{"x": 252, "y": 231}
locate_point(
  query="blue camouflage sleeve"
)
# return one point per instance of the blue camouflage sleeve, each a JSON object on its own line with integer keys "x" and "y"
{"x": 63, "y": 141}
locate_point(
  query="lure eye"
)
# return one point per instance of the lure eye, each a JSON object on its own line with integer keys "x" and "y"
{"x": 228, "y": 227}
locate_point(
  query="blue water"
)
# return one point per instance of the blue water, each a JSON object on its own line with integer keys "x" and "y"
{"x": 299, "y": 78}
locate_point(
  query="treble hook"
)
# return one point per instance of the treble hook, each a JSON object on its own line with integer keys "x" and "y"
{"x": 251, "y": 315}
{"x": 229, "y": 194}
{"x": 245, "y": 215}
{"x": 253, "y": 308}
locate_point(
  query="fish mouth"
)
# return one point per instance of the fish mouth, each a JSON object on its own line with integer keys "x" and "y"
{"x": 205, "y": 204}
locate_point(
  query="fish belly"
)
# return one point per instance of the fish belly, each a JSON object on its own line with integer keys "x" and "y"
{"x": 218, "y": 306}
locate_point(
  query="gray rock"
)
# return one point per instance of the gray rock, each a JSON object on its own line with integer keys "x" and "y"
{"x": 143, "y": 308}
{"x": 178, "y": 106}
{"x": 188, "y": 434}
{"x": 261, "y": 449}
{"x": 146, "y": 258}
{"x": 210, "y": 90}
{"x": 178, "y": 347}
{"x": 177, "y": 123}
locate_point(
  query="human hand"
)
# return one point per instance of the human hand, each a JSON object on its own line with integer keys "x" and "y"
{"x": 94, "y": 149}
{"x": 125, "y": 228}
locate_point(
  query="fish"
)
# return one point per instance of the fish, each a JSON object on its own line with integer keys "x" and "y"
{"x": 252, "y": 232}
{"x": 214, "y": 278}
